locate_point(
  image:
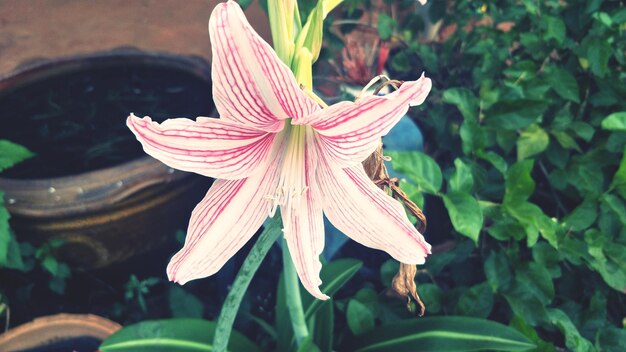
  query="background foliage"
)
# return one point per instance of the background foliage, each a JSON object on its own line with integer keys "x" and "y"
{"x": 525, "y": 139}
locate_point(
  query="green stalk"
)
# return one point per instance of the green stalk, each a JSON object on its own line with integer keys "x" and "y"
{"x": 249, "y": 267}
{"x": 293, "y": 298}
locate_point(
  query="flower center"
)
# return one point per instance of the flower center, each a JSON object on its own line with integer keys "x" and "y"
{"x": 292, "y": 184}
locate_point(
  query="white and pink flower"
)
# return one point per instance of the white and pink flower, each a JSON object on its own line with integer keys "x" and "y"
{"x": 273, "y": 146}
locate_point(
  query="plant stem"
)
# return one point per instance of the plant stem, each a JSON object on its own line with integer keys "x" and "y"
{"x": 293, "y": 298}
{"x": 249, "y": 267}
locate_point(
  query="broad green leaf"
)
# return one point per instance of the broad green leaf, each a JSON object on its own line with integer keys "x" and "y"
{"x": 515, "y": 114}
{"x": 536, "y": 280}
{"x": 519, "y": 184}
{"x": 564, "y": 84}
{"x": 360, "y": 318}
{"x": 441, "y": 334}
{"x": 477, "y": 301}
{"x": 573, "y": 340}
{"x": 619, "y": 179}
{"x": 465, "y": 214}
{"x": 419, "y": 167}
{"x": 386, "y": 25}
{"x": 548, "y": 257}
{"x": 616, "y": 205}
{"x": 583, "y": 215}
{"x": 566, "y": 141}
{"x": 184, "y": 304}
{"x": 462, "y": 179}
{"x": 495, "y": 159}
{"x": 533, "y": 140}
{"x": 171, "y": 335}
{"x": 532, "y": 218}
{"x": 431, "y": 296}
{"x": 608, "y": 259}
{"x": 308, "y": 345}
{"x": 555, "y": 28}
{"x": 329, "y": 5}
{"x": 615, "y": 121}
{"x": 472, "y": 137}
{"x": 611, "y": 339}
{"x": 413, "y": 192}
{"x": 598, "y": 54}
{"x": 11, "y": 154}
{"x": 464, "y": 99}
{"x": 520, "y": 325}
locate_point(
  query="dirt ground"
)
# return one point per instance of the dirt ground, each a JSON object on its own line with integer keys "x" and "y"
{"x": 36, "y": 29}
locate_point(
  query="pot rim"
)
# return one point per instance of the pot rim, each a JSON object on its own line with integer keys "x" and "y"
{"x": 85, "y": 192}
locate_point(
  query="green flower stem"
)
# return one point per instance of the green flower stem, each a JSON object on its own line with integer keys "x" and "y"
{"x": 249, "y": 267}
{"x": 293, "y": 298}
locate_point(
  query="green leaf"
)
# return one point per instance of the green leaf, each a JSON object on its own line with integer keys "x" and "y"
{"x": 615, "y": 121}
{"x": 419, "y": 167}
{"x": 533, "y": 140}
{"x": 432, "y": 297}
{"x": 360, "y": 318}
{"x": 465, "y": 214}
{"x": 520, "y": 325}
{"x": 184, "y": 304}
{"x": 536, "y": 280}
{"x": 583, "y": 215}
{"x": 334, "y": 276}
{"x": 573, "y": 340}
{"x": 534, "y": 221}
{"x": 11, "y": 154}
{"x": 616, "y": 205}
{"x": 515, "y": 114}
{"x": 555, "y": 28}
{"x": 462, "y": 179}
{"x": 386, "y": 25}
{"x": 464, "y": 99}
{"x": 519, "y": 184}
{"x": 249, "y": 267}
{"x": 564, "y": 84}
{"x": 323, "y": 327}
{"x": 441, "y": 334}
{"x": 171, "y": 335}
{"x": 611, "y": 339}
{"x": 598, "y": 54}
{"x": 566, "y": 141}
{"x": 5, "y": 236}
{"x": 476, "y": 301}
{"x": 619, "y": 179}
{"x": 495, "y": 159}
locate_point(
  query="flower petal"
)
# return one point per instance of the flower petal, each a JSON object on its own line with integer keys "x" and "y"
{"x": 368, "y": 215}
{"x": 304, "y": 232}
{"x": 222, "y": 223}
{"x": 209, "y": 147}
{"x": 251, "y": 85}
{"x": 349, "y": 132}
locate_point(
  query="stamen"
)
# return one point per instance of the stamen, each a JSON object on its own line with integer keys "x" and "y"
{"x": 292, "y": 182}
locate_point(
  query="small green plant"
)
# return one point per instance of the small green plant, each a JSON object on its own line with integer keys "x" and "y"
{"x": 136, "y": 290}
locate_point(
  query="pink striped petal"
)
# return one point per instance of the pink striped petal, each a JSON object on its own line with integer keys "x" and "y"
{"x": 209, "y": 147}
{"x": 222, "y": 223}
{"x": 251, "y": 85}
{"x": 368, "y": 215}
{"x": 349, "y": 132}
{"x": 304, "y": 233}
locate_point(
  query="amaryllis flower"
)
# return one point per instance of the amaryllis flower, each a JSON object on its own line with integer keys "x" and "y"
{"x": 273, "y": 146}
